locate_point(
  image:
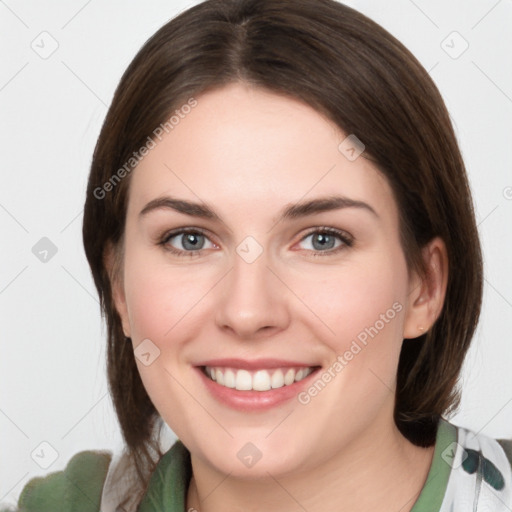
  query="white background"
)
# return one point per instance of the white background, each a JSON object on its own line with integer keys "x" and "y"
{"x": 53, "y": 385}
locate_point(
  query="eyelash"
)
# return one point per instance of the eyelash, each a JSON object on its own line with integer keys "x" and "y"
{"x": 347, "y": 240}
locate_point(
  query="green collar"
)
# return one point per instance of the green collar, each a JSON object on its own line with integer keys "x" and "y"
{"x": 432, "y": 494}
{"x": 168, "y": 486}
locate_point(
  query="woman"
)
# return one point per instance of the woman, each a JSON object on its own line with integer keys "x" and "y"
{"x": 280, "y": 228}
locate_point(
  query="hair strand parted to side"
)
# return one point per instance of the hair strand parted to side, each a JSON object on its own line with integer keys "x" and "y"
{"x": 359, "y": 76}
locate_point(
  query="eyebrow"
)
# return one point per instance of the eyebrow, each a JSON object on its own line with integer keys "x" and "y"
{"x": 289, "y": 212}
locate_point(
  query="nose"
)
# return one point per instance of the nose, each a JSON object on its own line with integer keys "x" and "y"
{"x": 252, "y": 302}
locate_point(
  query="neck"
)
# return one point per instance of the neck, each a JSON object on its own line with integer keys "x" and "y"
{"x": 380, "y": 470}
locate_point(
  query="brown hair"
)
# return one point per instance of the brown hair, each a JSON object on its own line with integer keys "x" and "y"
{"x": 359, "y": 76}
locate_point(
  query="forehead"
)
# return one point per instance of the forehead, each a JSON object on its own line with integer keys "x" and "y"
{"x": 243, "y": 147}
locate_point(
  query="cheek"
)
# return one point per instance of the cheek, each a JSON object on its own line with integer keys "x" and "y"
{"x": 159, "y": 295}
{"x": 149, "y": 304}
{"x": 361, "y": 305}
{"x": 160, "y": 300}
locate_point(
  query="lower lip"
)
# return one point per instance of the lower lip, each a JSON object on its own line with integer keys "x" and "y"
{"x": 254, "y": 400}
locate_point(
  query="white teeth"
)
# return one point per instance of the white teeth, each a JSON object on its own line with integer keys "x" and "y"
{"x": 289, "y": 377}
{"x": 302, "y": 373}
{"x": 243, "y": 380}
{"x": 261, "y": 380}
{"x": 277, "y": 379}
{"x": 229, "y": 379}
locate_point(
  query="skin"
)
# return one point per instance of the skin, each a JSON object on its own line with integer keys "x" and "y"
{"x": 248, "y": 153}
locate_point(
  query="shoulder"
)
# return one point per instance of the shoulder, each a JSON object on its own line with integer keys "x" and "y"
{"x": 76, "y": 488}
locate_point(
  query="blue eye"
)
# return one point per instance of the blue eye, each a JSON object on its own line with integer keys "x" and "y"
{"x": 193, "y": 241}
{"x": 324, "y": 238}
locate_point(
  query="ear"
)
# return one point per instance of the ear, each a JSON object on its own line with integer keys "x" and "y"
{"x": 426, "y": 296}
{"x": 116, "y": 283}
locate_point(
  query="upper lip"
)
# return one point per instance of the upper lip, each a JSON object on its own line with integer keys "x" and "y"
{"x": 255, "y": 364}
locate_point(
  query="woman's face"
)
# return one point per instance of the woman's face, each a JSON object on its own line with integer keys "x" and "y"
{"x": 257, "y": 295}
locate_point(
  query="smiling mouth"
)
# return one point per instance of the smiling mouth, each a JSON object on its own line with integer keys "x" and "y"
{"x": 259, "y": 380}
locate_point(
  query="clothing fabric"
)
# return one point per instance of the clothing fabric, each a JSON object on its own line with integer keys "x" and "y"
{"x": 470, "y": 472}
